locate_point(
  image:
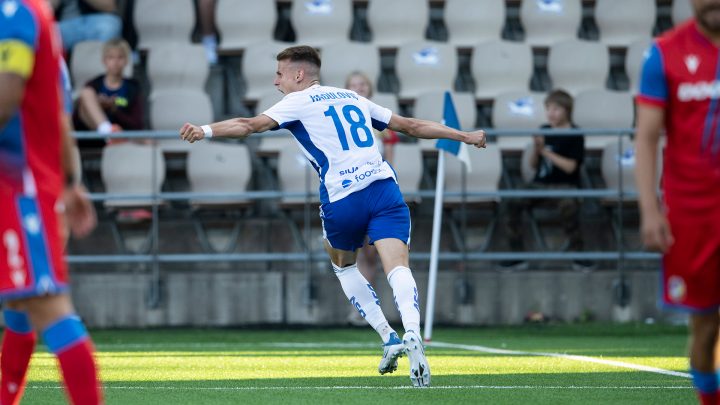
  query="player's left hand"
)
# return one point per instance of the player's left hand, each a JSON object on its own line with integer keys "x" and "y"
{"x": 476, "y": 138}
{"x": 79, "y": 211}
{"x": 191, "y": 133}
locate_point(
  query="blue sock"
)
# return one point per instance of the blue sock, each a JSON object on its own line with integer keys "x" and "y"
{"x": 706, "y": 383}
{"x": 64, "y": 333}
{"x": 17, "y": 321}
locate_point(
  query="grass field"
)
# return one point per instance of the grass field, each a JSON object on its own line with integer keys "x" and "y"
{"x": 233, "y": 366}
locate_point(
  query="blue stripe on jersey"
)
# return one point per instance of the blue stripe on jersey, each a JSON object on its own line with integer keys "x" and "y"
{"x": 652, "y": 77}
{"x": 17, "y": 21}
{"x": 711, "y": 117}
{"x": 34, "y": 233}
{"x": 301, "y": 134}
{"x": 379, "y": 125}
{"x": 12, "y": 151}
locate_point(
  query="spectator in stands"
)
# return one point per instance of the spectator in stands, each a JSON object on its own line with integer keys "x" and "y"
{"x": 87, "y": 20}
{"x": 557, "y": 160}
{"x": 110, "y": 102}
{"x": 368, "y": 258}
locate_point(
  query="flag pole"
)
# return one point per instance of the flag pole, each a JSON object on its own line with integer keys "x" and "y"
{"x": 435, "y": 245}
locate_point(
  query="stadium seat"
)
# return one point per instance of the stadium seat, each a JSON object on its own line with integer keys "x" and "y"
{"x": 259, "y": 65}
{"x": 339, "y": 59}
{"x": 215, "y": 167}
{"x": 409, "y": 170}
{"x": 417, "y": 62}
{"x": 500, "y": 66}
{"x": 318, "y": 22}
{"x": 86, "y": 63}
{"x": 634, "y": 60}
{"x": 245, "y": 22}
{"x": 170, "y": 109}
{"x": 484, "y": 177}
{"x": 470, "y": 21}
{"x": 270, "y": 146}
{"x": 387, "y": 100}
{"x": 550, "y": 21}
{"x": 618, "y": 165}
{"x": 159, "y": 22}
{"x": 681, "y": 11}
{"x": 517, "y": 110}
{"x": 575, "y": 65}
{"x": 130, "y": 168}
{"x": 396, "y": 22}
{"x": 620, "y": 21}
{"x": 429, "y": 106}
{"x": 177, "y": 66}
{"x": 296, "y": 175}
{"x": 602, "y": 108}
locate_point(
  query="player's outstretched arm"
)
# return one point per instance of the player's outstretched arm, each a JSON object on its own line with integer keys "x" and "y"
{"x": 232, "y": 128}
{"x": 654, "y": 227}
{"x": 433, "y": 130}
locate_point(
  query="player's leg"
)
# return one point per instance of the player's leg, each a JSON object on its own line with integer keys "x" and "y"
{"x": 18, "y": 344}
{"x": 65, "y": 335}
{"x": 367, "y": 264}
{"x": 703, "y": 341}
{"x": 389, "y": 231}
{"x": 363, "y": 298}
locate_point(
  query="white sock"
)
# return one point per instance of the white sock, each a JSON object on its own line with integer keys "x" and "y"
{"x": 362, "y": 296}
{"x": 406, "y": 297}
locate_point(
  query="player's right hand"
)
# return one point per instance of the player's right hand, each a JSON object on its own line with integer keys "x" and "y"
{"x": 655, "y": 231}
{"x": 476, "y": 138}
{"x": 191, "y": 133}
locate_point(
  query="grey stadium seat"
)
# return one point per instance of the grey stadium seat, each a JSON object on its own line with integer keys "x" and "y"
{"x": 170, "y": 109}
{"x": 408, "y": 169}
{"x": 159, "y": 22}
{"x": 429, "y": 106}
{"x": 245, "y": 22}
{"x": 634, "y": 59}
{"x": 470, "y": 21}
{"x": 259, "y": 65}
{"x": 681, "y": 11}
{"x": 517, "y": 110}
{"x": 396, "y": 22}
{"x": 547, "y": 22}
{"x": 417, "y": 62}
{"x": 177, "y": 66}
{"x": 127, "y": 168}
{"x": 575, "y": 65}
{"x": 339, "y": 59}
{"x": 500, "y": 66}
{"x": 318, "y": 22}
{"x": 620, "y": 21}
{"x": 602, "y": 108}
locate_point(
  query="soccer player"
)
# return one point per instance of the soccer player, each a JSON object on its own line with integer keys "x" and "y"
{"x": 359, "y": 194}
{"x": 35, "y": 163}
{"x": 679, "y": 91}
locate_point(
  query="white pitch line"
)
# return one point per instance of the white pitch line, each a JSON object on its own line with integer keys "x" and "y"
{"x": 587, "y": 359}
{"x": 374, "y": 388}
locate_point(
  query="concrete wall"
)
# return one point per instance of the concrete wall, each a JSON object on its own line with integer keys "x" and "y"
{"x": 247, "y": 298}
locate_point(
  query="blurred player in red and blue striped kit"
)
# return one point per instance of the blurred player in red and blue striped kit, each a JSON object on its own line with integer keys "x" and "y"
{"x": 680, "y": 92}
{"x": 37, "y": 196}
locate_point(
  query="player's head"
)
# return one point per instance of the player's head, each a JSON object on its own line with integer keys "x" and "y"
{"x": 707, "y": 14}
{"x": 558, "y": 108}
{"x": 115, "y": 56}
{"x": 360, "y": 83}
{"x": 298, "y": 68}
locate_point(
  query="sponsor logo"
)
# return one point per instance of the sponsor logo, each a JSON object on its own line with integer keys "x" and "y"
{"x": 348, "y": 171}
{"x": 427, "y": 56}
{"x": 357, "y": 306}
{"x": 698, "y": 91}
{"x": 676, "y": 288}
{"x": 366, "y": 174}
{"x": 346, "y": 183}
{"x": 523, "y": 106}
{"x": 372, "y": 291}
{"x": 692, "y": 62}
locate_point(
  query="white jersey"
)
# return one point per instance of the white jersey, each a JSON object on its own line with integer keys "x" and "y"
{"x": 333, "y": 128}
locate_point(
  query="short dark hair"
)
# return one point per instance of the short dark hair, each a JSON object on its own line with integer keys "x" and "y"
{"x": 561, "y": 98}
{"x": 302, "y": 53}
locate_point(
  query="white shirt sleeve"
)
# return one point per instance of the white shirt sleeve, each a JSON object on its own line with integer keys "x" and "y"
{"x": 284, "y": 111}
{"x": 380, "y": 115}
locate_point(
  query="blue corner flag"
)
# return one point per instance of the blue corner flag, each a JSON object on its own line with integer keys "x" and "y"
{"x": 457, "y": 148}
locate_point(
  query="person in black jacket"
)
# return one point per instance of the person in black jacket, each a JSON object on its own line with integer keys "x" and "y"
{"x": 557, "y": 160}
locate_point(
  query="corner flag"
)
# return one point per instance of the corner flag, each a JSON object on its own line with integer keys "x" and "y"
{"x": 457, "y": 148}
